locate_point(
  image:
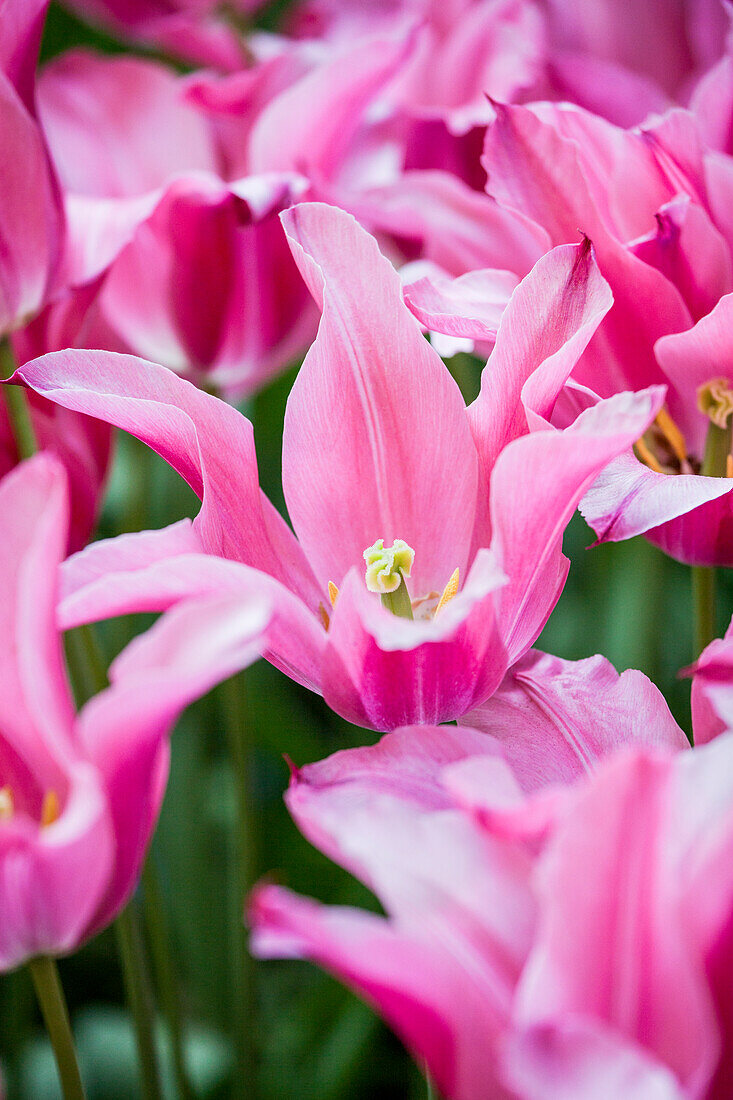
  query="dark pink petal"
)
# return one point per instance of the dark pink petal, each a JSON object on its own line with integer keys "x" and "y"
{"x": 21, "y": 28}
{"x": 376, "y": 443}
{"x": 202, "y": 438}
{"x": 712, "y": 103}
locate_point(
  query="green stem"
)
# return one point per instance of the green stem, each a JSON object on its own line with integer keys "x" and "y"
{"x": 398, "y": 602}
{"x": 16, "y": 401}
{"x": 51, "y": 998}
{"x": 703, "y": 597}
{"x": 242, "y": 879}
{"x": 140, "y": 998}
{"x": 159, "y": 936}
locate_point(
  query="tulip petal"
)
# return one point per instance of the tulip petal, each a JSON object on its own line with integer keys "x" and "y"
{"x": 535, "y": 488}
{"x": 545, "y": 716}
{"x": 374, "y": 420}
{"x": 469, "y": 306}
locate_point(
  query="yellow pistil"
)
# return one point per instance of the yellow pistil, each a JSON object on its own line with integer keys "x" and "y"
{"x": 448, "y": 592}
{"x": 7, "y": 804}
{"x": 51, "y": 809}
{"x": 387, "y": 566}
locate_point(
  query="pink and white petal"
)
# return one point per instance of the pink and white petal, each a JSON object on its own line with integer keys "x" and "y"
{"x": 37, "y": 709}
{"x": 689, "y": 516}
{"x": 382, "y": 671}
{"x": 433, "y": 1001}
{"x": 490, "y": 791}
{"x": 536, "y": 485}
{"x": 52, "y": 878}
{"x": 118, "y": 127}
{"x": 608, "y": 943}
{"x": 578, "y": 1057}
{"x": 545, "y": 715}
{"x": 606, "y": 88}
{"x": 202, "y": 438}
{"x": 374, "y": 419}
{"x": 470, "y": 306}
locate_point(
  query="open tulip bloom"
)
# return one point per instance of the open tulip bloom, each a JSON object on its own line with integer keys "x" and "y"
{"x": 428, "y": 553}
{"x": 558, "y": 913}
{"x": 80, "y": 794}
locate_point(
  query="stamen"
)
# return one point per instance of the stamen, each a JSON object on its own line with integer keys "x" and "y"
{"x": 448, "y": 592}
{"x": 386, "y": 566}
{"x": 7, "y": 803}
{"x": 645, "y": 454}
{"x": 51, "y": 809}
{"x": 729, "y": 466}
{"x": 672, "y": 434}
{"x": 333, "y": 593}
{"x": 715, "y": 400}
{"x": 324, "y": 616}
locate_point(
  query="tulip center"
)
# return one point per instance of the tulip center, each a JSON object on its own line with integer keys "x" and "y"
{"x": 663, "y": 449}
{"x": 386, "y": 570}
{"x": 715, "y": 400}
{"x": 50, "y": 809}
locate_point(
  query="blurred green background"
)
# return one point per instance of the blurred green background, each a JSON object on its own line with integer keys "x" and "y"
{"x": 309, "y": 1037}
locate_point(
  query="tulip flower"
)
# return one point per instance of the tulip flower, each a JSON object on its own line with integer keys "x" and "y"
{"x": 557, "y": 904}
{"x": 470, "y": 504}
{"x": 31, "y": 214}
{"x": 80, "y": 794}
{"x": 667, "y": 259}
{"x": 165, "y": 257}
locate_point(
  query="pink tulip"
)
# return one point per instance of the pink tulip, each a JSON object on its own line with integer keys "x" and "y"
{"x": 667, "y": 258}
{"x": 31, "y": 215}
{"x": 80, "y": 793}
{"x": 165, "y": 257}
{"x": 377, "y": 445}
{"x": 558, "y": 912}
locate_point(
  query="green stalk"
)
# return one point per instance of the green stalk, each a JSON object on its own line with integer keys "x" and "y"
{"x": 244, "y": 860}
{"x": 398, "y": 602}
{"x": 16, "y": 401}
{"x": 159, "y": 936}
{"x": 49, "y": 991}
{"x": 140, "y": 998}
{"x": 89, "y": 677}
